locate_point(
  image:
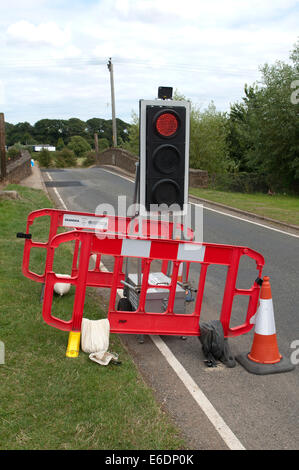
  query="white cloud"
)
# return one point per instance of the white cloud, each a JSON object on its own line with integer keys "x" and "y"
{"x": 2, "y": 95}
{"x": 207, "y": 50}
{"x": 44, "y": 33}
{"x": 68, "y": 52}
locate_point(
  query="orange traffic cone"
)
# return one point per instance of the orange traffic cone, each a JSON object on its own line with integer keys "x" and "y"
{"x": 264, "y": 357}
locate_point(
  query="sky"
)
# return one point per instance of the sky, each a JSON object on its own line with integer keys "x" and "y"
{"x": 54, "y": 54}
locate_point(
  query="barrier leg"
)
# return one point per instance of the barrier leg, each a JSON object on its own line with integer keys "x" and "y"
{"x": 73, "y": 346}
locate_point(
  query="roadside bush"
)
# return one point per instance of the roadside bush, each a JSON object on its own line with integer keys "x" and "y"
{"x": 103, "y": 144}
{"x": 79, "y": 145}
{"x": 13, "y": 153}
{"x": 44, "y": 158}
{"x": 242, "y": 182}
{"x": 89, "y": 159}
{"x": 65, "y": 158}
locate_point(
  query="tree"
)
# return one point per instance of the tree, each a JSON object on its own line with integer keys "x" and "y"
{"x": 60, "y": 144}
{"x": 208, "y": 137}
{"x": 48, "y": 131}
{"x": 264, "y": 128}
{"x": 79, "y": 145}
{"x": 239, "y": 137}
{"x": 94, "y": 125}
{"x": 22, "y": 132}
{"x": 208, "y": 140}
{"x": 75, "y": 127}
{"x": 44, "y": 158}
{"x": 122, "y": 130}
{"x": 132, "y": 142}
{"x": 103, "y": 144}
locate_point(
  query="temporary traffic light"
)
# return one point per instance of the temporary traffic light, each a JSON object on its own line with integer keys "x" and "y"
{"x": 164, "y": 154}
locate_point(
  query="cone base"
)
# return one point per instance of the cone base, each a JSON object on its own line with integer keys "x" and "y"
{"x": 284, "y": 365}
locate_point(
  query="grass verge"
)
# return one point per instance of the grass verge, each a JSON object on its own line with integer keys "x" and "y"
{"x": 279, "y": 207}
{"x": 48, "y": 401}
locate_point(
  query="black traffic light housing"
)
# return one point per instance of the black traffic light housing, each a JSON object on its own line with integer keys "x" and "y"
{"x": 164, "y": 154}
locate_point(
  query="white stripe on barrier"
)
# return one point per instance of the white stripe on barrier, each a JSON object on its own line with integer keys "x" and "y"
{"x": 264, "y": 320}
{"x": 140, "y": 248}
{"x": 190, "y": 252}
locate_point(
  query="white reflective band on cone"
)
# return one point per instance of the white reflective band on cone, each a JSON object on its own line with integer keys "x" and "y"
{"x": 264, "y": 318}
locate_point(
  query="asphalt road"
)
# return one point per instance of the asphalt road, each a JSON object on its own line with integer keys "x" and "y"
{"x": 261, "y": 411}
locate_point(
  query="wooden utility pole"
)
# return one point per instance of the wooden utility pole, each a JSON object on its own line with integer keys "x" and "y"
{"x": 96, "y": 145}
{"x": 110, "y": 68}
{"x": 2, "y": 146}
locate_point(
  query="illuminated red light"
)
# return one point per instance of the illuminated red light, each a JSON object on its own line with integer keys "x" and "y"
{"x": 167, "y": 124}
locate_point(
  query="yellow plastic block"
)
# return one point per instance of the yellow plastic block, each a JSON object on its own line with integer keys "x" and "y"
{"x": 73, "y": 346}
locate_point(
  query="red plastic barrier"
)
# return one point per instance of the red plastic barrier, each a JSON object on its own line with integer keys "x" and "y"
{"x": 96, "y": 223}
{"x": 149, "y": 250}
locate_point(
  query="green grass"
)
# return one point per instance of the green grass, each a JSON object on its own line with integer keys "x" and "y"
{"x": 279, "y": 207}
{"x": 48, "y": 401}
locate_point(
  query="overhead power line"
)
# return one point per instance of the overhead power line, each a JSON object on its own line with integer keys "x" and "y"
{"x": 79, "y": 62}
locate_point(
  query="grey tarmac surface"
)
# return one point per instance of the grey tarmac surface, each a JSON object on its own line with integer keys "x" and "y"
{"x": 262, "y": 411}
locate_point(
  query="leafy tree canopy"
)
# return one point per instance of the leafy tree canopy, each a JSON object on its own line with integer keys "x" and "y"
{"x": 50, "y": 131}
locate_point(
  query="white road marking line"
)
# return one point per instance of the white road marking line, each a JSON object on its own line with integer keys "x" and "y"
{"x": 117, "y": 174}
{"x": 203, "y": 402}
{"x": 221, "y": 427}
{"x": 56, "y": 192}
{"x": 220, "y": 212}
{"x": 249, "y": 221}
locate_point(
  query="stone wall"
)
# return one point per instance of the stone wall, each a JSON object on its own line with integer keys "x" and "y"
{"x": 19, "y": 169}
{"x": 198, "y": 178}
{"x": 118, "y": 157}
{"x": 126, "y": 160}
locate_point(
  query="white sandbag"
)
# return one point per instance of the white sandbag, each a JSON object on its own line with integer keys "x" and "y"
{"x": 95, "y": 340}
{"x": 61, "y": 288}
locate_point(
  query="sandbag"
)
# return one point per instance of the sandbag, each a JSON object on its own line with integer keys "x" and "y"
{"x": 95, "y": 341}
{"x": 214, "y": 346}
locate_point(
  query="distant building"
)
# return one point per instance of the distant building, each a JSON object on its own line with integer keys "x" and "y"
{"x": 38, "y": 148}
